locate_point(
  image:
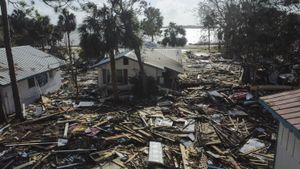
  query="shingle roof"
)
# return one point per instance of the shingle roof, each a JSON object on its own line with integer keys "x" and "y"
{"x": 28, "y": 62}
{"x": 285, "y": 107}
{"x": 153, "y": 57}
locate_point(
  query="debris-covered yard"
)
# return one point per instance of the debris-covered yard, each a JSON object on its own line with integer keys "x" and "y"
{"x": 211, "y": 123}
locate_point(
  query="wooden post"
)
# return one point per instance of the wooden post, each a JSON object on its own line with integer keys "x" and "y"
{"x": 10, "y": 61}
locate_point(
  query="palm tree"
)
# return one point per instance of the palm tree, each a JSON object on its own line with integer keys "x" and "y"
{"x": 114, "y": 24}
{"x": 103, "y": 24}
{"x": 67, "y": 23}
{"x": 132, "y": 39}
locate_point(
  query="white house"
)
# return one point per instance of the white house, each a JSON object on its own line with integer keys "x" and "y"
{"x": 162, "y": 64}
{"x": 285, "y": 107}
{"x": 37, "y": 73}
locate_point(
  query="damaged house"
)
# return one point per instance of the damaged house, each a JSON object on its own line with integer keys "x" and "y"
{"x": 285, "y": 108}
{"x": 37, "y": 73}
{"x": 162, "y": 64}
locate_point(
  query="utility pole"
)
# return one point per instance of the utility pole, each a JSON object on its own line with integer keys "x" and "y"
{"x": 10, "y": 61}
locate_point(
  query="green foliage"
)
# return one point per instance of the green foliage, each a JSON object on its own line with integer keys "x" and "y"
{"x": 255, "y": 31}
{"x": 35, "y": 30}
{"x": 174, "y": 36}
{"x": 137, "y": 89}
{"x": 153, "y": 22}
{"x": 66, "y": 21}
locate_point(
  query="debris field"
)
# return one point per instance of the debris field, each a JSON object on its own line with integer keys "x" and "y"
{"x": 212, "y": 122}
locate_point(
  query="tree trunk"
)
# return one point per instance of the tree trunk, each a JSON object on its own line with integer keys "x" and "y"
{"x": 70, "y": 56}
{"x": 3, "y": 116}
{"x": 142, "y": 71}
{"x": 209, "y": 40}
{"x": 76, "y": 83}
{"x": 10, "y": 61}
{"x": 113, "y": 75}
{"x": 152, "y": 38}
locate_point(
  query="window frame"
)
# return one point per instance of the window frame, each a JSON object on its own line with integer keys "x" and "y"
{"x": 31, "y": 82}
{"x": 125, "y": 61}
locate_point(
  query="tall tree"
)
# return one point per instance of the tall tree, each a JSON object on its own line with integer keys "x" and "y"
{"x": 207, "y": 20}
{"x": 174, "y": 36}
{"x": 113, "y": 25}
{"x": 67, "y": 23}
{"x": 262, "y": 34}
{"x": 33, "y": 29}
{"x": 131, "y": 39}
{"x": 104, "y": 26}
{"x": 92, "y": 40}
{"x": 153, "y": 22}
{"x": 10, "y": 61}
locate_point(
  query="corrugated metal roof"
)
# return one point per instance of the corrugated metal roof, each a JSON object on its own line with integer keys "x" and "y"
{"x": 28, "y": 62}
{"x": 286, "y": 105}
{"x": 154, "y": 57}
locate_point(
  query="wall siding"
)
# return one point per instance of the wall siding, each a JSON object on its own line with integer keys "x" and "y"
{"x": 133, "y": 70}
{"x": 29, "y": 95}
{"x": 288, "y": 150}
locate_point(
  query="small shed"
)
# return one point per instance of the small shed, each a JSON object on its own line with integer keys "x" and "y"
{"x": 285, "y": 107}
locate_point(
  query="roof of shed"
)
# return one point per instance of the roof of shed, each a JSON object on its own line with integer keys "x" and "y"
{"x": 28, "y": 62}
{"x": 286, "y": 105}
{"x": 152, "y": 57}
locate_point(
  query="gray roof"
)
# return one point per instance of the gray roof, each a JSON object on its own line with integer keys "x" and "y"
{"x": 28, "y": 62}
{"x": 158, "y": 58}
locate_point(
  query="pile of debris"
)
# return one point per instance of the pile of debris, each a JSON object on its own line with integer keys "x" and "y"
{"x": 199, "y": 127}
{"x": 203, "y": 70}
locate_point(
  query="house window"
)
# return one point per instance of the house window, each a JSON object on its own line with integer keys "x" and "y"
{"x": 106, "y": 76}
{"x": 51, "y": 74}
{"x": 125, "y": 73}
{"x": 125, "y": 61}
{"x": 42, "y": 79}
{"x": 31, "y": 82}
{"x": 122, "y": 76}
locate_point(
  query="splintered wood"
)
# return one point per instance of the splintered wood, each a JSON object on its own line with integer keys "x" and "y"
{"x": 207, "y": 135}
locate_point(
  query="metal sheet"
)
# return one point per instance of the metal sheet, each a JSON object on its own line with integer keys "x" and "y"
{"x": 155, "y": 153}
{"x": 28, "y": 62}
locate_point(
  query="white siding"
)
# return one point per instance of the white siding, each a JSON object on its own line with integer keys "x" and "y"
{"x": 288, "y": 150}
{"x": 133, "y": 70}
{"x": 29, "y": 95}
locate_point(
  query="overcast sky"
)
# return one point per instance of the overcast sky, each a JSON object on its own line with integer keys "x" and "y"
{"x": 178, "y": 11}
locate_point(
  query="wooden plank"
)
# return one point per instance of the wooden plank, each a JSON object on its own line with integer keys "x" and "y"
{"x": 280, "y": 94}
{"x": 116, "y": 137}
{"x": 277, "y": 103}
{"x": 234, "y": 163}
{"x": 291, "y": 115}
{"x": 131, "y": 158}
{"x": 25, "y": 165}
{"x": 290, "y": 110}
{"x": 185, "y": 157}
{"x": 283, "y": 97}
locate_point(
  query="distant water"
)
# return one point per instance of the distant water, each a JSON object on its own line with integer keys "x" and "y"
{"x": 200, "y": 35}
{"x": 193, "y": 35}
